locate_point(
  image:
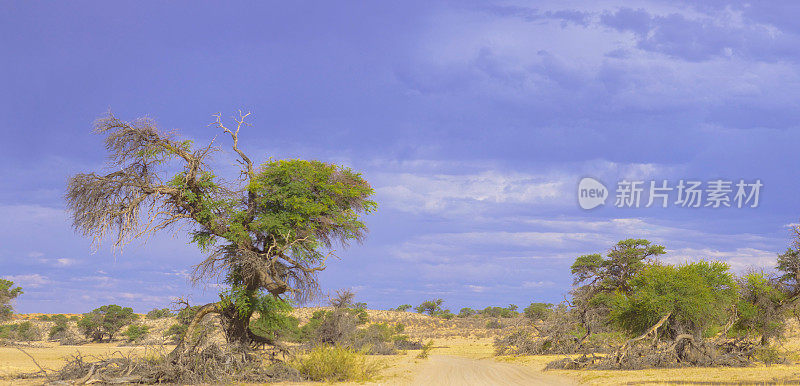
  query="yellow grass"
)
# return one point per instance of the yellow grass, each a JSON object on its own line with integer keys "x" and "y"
{"x": 454, "y": 338}
{"x": 52, "y": 355}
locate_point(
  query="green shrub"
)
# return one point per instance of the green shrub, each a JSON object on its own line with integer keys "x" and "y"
{"x": 537, "y": 311}
{"x": 426, "y": 350}
{"x": 176, "y": 332}
{"x": 466, "y": 312}
{"x": 59, "y": 327}
{"x": 403, "y": 342}
{"x": 105, "y": 321}
{"x": 275, "y": 321}
{"x": 430, "y": 307}
{"x": 336, "y": 364}
{"x": 768, "y": 355}
{"x": 25, "y": 331}
{"x": 446, "y": 314}
{"x": 697, "y": 295}
{"x": 136, "y": 332}
{"x": 403, "y": 308}
{"x": 159, "y": 313}
{"x": 7, "y": 295}
{"x": 44, "y": 318}
{"x": 760, "y": 308}
{"x": 499, "y": 312}
{"x": 494, "y": 324}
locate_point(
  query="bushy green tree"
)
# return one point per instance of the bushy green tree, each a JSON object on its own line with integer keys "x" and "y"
{"x": 499, "y": 312}
{"x": 466, "y": 312}
{"x": 105, "y": 321}
{"x": 403, "y": 307}
{"x": 60, "y": 326}
{"x": 8, "y": 292}
{"x": 614, "y": 271}
{"x": 269, "y": 233}
{"x": 596, "y": 275}
{"x": 695, "y": 295}
{"x": 537, "y": 311}
{"x": 136, "y": 332}
{"x": 430, "y": 307}
{"x": 159, "y": 313}
{"x": 760, "y": 307}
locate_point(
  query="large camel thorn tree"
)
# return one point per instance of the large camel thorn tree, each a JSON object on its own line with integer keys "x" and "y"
{"x": 266, "y": 236}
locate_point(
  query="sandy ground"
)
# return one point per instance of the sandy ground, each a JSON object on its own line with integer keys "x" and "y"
{"x": 451, "y": 370}
{"x": 463, "y": 355}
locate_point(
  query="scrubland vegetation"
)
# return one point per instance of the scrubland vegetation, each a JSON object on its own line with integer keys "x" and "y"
{"x": 269, "y": 236}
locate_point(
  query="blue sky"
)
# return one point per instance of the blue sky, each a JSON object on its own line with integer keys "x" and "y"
{"x": 474, "y": 122}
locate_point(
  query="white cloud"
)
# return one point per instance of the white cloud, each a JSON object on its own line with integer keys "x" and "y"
{"x": 29, "y": 281}
{"x": 419, "y": 193}
{"x": 64, "y": 262}
{"x": 740, "y": 259}
{"x": 537, "y": 284}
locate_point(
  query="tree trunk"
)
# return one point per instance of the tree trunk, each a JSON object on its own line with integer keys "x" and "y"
{"x": 236, "y": 326}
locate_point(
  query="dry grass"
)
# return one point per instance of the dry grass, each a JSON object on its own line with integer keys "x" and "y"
{"x": 424, "y": 327}
{"x": 52, "y": 355}
{"x": 457, "y": 337}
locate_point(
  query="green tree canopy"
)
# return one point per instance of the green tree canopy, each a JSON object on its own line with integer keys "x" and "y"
{"x": 8, "y": 292}
{"x": 272, "y": 230}
{"x": 105, "y": 321}
{"x": 696, "y": 295}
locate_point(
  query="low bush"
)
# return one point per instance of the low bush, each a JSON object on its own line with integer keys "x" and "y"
{"x": 103, "y": 322}
{"x": 537, "y": 311}
{"x": 403, "y": 342}
{"x": 768, "y": 355}
{"x": 403, "y": 308}
{"x": 466, "y": 312}
{"x": 176, "y": 331}
{"x": 430, "y": 307}
{"x": 136, "y": 332}
{"x": 494, "y": 324}
{"x": 426, "y": 350}
{"x": 499, "y": 312}
{"x": 60, "y": 327}
{"x": 159, "y": 313}
{"x": 336, "y": 364}
{"x": 25, "y": 332}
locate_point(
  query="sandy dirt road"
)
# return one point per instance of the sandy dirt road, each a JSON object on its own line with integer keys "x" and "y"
{"x": 451, "y": 370}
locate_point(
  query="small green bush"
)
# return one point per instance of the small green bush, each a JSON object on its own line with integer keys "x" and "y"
{"x": 176, "y": 332}
{"x": 500, "y": 312}
{"x": 105, "y": 321}
{"x": 336, "y": 364}
{"x": 402, "y": 342}
{"x": 430, "y": 307}
{"x": 403, "y": 308}
{"x": 426, "y": 350}
{"x": 494, "y": 324}
{"x": 466, "y": 312}
{"x": 44, "y": 318}
{"x": 136, "y": 332}
{"x": 446, "y": 314}
{"x": 8, "y": 292}
{"x": 25, "y": 331}
{"x": 59, "y": 327}
{"x": 159, "y": 313}
{"x": 537, "y": 311}
{"x": 768, "y": 355}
